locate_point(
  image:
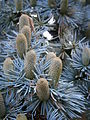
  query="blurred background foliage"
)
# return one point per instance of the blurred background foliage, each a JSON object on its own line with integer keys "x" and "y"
{"x": 58, "y": 54}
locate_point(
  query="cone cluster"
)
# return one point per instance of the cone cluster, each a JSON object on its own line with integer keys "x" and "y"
{"x": 23, "y": 39}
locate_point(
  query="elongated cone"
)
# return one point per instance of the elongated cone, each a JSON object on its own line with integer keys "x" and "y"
{"x": 50, "y": 56}
{"x": 23, "y": 20}
{"x": 52, "y": 3}
{"x": 55, "y": 70}
{"x": 63, "y": 6}
{"x": 2, "y": 106}
{"x": 86, "y": 56}
{"x": 29, "y": 64}
{"x": 21, "y": 45}
{"x": 21, "y": 117}
{"x": 18, "y": 5}
{"x": 26, "y": 20}
{"x": 33, "y": 3}
{"x": 8, "y": 65}
{"x": 27, "y": 32}
{"x": 42, "y": 89}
